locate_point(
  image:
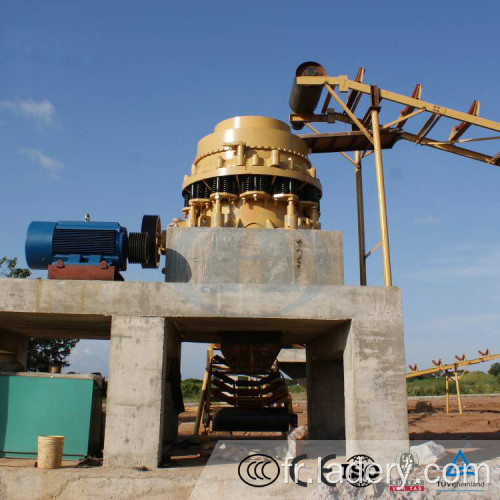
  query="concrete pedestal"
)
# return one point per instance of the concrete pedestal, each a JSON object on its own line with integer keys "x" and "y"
{"x": 262, "y": 256}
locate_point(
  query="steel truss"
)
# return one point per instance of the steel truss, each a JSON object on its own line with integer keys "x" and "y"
{"x": 369, "y": 136}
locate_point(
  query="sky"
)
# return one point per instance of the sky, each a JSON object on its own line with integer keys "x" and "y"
{"x": 102, "y": 104}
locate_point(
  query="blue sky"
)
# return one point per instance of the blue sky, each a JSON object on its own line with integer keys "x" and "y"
{"x": 102, "y": 104}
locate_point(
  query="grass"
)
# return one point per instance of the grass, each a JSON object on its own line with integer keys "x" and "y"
{"x": 297, "y": 392}
{"x": 476, "y": 382}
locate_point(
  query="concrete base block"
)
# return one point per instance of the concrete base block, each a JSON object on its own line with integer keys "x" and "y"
{"x": 263, "y": 256}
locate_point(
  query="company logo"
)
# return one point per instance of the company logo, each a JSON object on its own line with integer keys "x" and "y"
{"x": 361, "y": 471}
{"x": 408, "y": 463}
{"x": 454, "y": 470}
{"x": 456, "y": 476}
{"x": 258, "y": 470}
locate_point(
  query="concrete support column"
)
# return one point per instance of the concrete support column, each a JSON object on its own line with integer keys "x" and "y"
{"x": 137, "y": 371}
{"x": 16, "y": 344}
{"x": 325, "y": 399}
{"x": 376, "y": 416}
{"x": 173, "y": 403}
{"x": 325, "y": 385}
{"x": 356, "y": 387}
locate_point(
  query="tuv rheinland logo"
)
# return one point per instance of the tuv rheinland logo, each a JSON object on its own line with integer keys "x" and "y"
{"x": 465, "y": 469}
{"x": 460, "y": 475}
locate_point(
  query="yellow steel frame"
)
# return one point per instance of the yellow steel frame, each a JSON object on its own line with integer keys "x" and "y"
{"x": 455, "y": 368}
{"x": 370, "y": 127}
{"x": 203, "y": 406}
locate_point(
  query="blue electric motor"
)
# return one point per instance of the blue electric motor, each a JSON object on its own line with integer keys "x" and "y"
{"x": 76, "y": 242}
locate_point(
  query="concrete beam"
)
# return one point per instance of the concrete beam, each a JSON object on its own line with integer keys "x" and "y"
{"x": 55, "y": 325}
{"x": 298, "y": 313}
{"x": 292, "y": 356}
{"x": 292, "y": 362}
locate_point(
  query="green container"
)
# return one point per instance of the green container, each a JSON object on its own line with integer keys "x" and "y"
{"x": 41, "y": 404}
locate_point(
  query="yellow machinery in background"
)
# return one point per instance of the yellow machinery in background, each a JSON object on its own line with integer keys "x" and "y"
{"x": 369, "y": 136}
{"x": 455, "y": 370}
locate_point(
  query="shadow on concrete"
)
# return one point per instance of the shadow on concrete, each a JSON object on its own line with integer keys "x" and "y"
{"x": 177, "y": 268}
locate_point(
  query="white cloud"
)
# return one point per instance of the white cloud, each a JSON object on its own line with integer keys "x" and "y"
{"x": 42, "y": 112}
{"x": 428, "y": 219}
{"x": 87, "y": 351}
{"x": 52, "y": 166}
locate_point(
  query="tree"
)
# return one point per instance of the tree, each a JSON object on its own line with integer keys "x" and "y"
{"x": 42, "y": 353}
{"x": 494, "y": 369}
{"x": 9, "y": 269}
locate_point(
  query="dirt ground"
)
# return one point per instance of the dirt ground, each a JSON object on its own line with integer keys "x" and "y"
{"x": 427, "y": 418}
{"x": 480, "y": 419}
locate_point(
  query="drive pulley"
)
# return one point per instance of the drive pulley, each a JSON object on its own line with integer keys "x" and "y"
{"x": 145, "y": 247}
{"x": 151, "y": 226}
